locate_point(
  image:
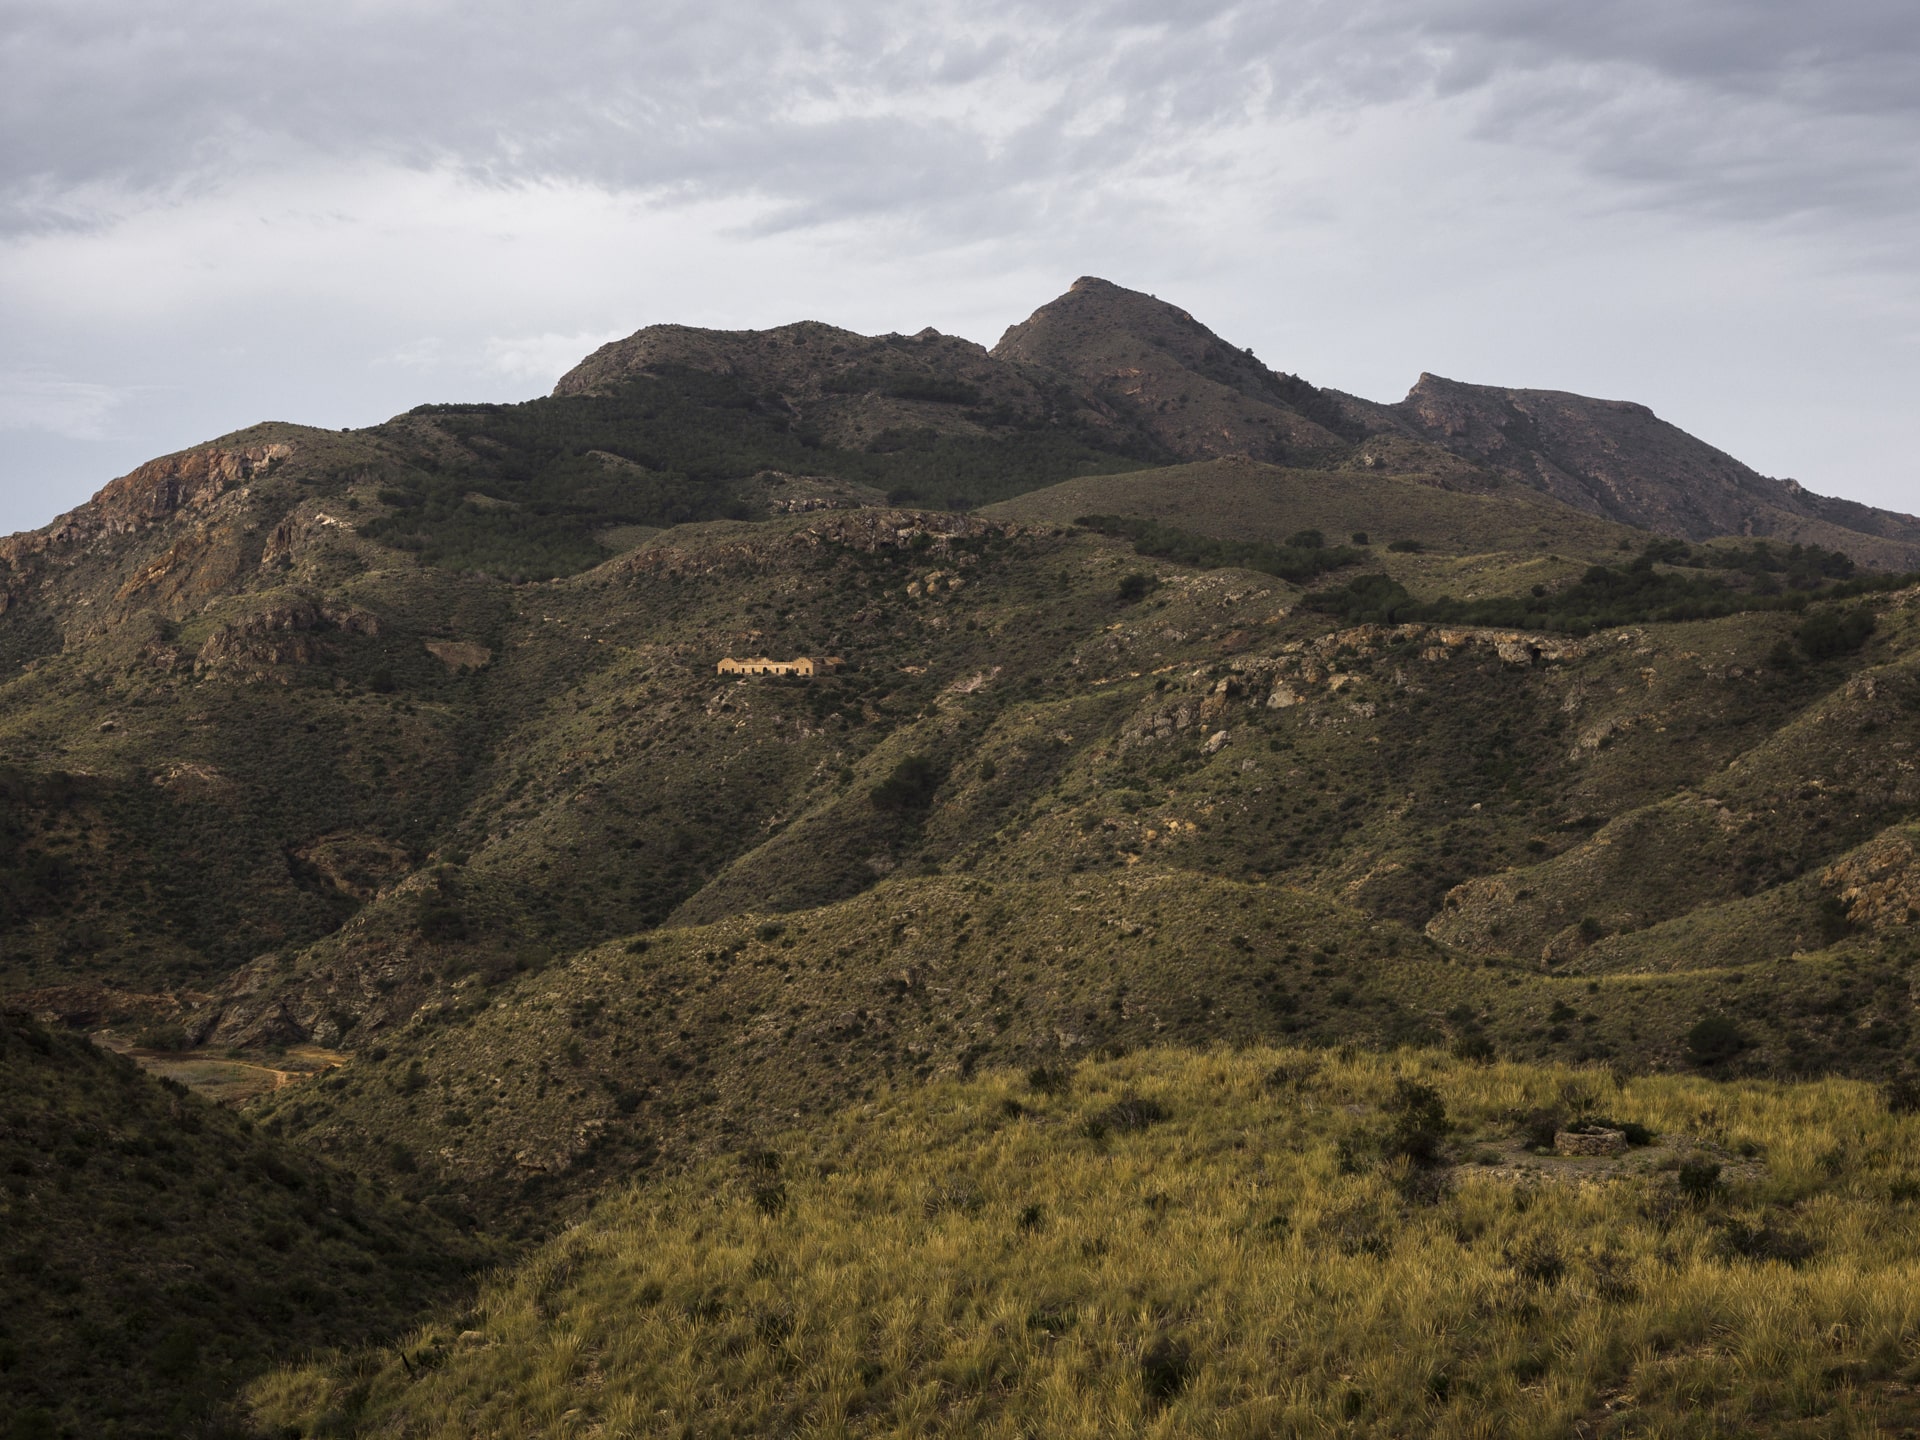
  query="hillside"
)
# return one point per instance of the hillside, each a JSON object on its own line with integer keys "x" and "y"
{"x": 381, "y": 784}
{"x": 1242, "y": 498}
{"x": 1619, "y": 460}
{"x": 159, "y": 1250}
{"x": 1237, "y": 1243}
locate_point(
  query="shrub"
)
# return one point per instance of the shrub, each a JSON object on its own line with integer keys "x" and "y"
{"x": 1538, "y": 1261}
{"x": 1419, "y": 1122}
{"x": 1902, "y": 1094}
{"x": 1698, "y": 1180}
{"x": 1136, "y": 585}
{"x": 1165, "y": 1368}
{"x": 1829, "y": 634}
{"x": 1714, "y": 1041}
{"x": 440, "y": 921}
{"x": 1538, "y": 1127}
{"x": 1405, "y": 547}
{"x": 1128, "y": 1115}
{"x": 1049, "y": 1079}
{"x": 770, "y": 1198}
{"x": 910, "y": 786}
{"x": 1739, "y": 1240}
{"x": 164, "y": 1037}
{"x": 1636, "y": 1134}
{"x": 1475, "y": 1047}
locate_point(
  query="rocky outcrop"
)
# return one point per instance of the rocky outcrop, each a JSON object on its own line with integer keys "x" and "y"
{"x": 157, "y": 491}
{"x": 284, "y": 634}
{"x": 1879, "y": 884}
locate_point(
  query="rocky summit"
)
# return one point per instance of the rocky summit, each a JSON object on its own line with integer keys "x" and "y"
{"x": 1226, "y": 787}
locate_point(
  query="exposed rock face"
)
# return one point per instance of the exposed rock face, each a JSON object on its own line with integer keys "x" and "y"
{"x": 1620, "y": 460}
{"x": 1879, "y": 884}
{"x": 156, "y": 491}
{"x": 1193, "y": 392}
{"x": 280, "y": 635}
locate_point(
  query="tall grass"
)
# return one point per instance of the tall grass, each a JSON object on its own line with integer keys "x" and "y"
{"x": 981, "y": 1259}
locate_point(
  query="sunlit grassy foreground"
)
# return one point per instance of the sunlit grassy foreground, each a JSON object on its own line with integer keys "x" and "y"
{"x": 985, "y": 1258}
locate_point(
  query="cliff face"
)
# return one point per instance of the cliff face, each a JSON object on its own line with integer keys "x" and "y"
{"x": 1620, "y": 460}
{"x": 156, "y": 491}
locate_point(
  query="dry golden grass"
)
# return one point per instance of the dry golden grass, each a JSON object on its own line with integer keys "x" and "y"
{"x": 989, "y": 1259}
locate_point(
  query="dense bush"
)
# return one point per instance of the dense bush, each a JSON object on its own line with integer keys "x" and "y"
{"x": 910, "y": 785}
{"x": 545, "y": 477}
{"x": 1829, "y": 634}
{"x": 1714, "y": 1040}
{"x": 1305, "y": 555}
{"x": 1605, "y": 596}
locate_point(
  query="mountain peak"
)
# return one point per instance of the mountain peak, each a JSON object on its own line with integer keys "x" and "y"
{"x": 1194, "y": 392}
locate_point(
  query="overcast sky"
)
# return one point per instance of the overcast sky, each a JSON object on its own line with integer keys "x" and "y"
{"x": 220, "y": 211}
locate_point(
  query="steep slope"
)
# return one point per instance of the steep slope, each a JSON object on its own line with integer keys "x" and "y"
{"x": 159, "y": 1250}
{"x": 1193, "y": 392}
{"x": 1620, "y": 460}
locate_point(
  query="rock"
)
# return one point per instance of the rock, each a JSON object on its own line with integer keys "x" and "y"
{"x": 458, "y": 654}
{"x": 1217, "y": 699}
{"x": 279, "y": 635}
{"x": 1283, "y": 697}
{"x": 1878, "y": 884}
{"x": 1590, "y": 1142}
{"x": 1215, "y": 741}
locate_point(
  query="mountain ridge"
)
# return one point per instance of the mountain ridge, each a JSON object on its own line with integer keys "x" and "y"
{"x": 394, "y": 770}
{"x": 1618, "y": 459}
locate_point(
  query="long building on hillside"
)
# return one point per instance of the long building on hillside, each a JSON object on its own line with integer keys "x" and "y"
{"x": 760, "y": 665}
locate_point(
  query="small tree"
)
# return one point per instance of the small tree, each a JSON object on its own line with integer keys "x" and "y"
{"x": 1714, "y": 1041}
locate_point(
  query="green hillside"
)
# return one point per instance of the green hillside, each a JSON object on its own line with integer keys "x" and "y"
{"x": 382, "y": 786}
{"x": 1243, "y": 1242}
{"x": 158, "y": 1250}
{"x": 1237, "y": 498}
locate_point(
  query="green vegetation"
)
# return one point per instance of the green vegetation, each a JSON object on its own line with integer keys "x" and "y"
{"x": 1639, "y": 593}
{"x": 1233, "y": 1243}
{"x": 156, "y": 1251}
{"x": 1304, "y": 555}
{"x": 389, "y": 794}
{"x": 536, "y": 483}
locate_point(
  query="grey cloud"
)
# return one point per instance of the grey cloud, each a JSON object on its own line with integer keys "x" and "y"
{"x": 852, "y": 108}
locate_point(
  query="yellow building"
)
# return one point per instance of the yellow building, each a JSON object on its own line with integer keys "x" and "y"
{"x": 760, "y": 665}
